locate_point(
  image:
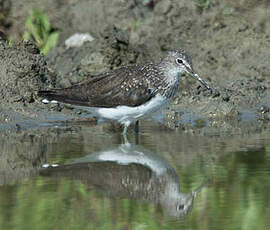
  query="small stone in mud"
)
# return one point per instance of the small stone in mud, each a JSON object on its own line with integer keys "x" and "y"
{"x": 77, "y": 40}
{"x": 226, "y": 98}
{"x": 18, "y": 127}
{"x": 215, "y": 93}
{"x": 55, "y": 107}
{"x": 17, "y": 98}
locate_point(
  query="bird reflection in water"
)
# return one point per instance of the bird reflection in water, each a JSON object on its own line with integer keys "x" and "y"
{"x": 132, "y": 172}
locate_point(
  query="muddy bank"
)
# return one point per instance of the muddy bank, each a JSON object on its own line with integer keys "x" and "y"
{"x": 229, "y": 44}
{"x": 111, "y": 50}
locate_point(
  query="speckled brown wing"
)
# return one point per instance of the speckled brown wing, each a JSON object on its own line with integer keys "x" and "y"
{"x": 125, "y": 86}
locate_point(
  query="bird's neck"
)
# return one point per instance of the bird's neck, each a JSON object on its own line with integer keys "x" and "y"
{"x": 170, "y": 80}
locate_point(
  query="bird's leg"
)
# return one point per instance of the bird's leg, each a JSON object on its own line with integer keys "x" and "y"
{"x": 125, "y": 140}
{"x": 136, "y": 128}
{"x": 125, "y": 131}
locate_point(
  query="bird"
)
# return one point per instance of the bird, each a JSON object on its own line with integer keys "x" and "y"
{"x": 135, "y": 173}
{"x": 129, "y": 93}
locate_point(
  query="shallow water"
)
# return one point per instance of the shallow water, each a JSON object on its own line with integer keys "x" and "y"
{"x": 161, "y": 180}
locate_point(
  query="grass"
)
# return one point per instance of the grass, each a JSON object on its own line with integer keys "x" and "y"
{"x": 38, "y": 28}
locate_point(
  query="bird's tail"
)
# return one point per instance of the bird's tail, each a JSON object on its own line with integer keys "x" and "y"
{"x": 62, "y": 96}
{"x": 51, "y": 95}
{"x": 56, "y": 95}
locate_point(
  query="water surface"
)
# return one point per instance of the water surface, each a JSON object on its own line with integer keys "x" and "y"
{"x": 161, "y": 180}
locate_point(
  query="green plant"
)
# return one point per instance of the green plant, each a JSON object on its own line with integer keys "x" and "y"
{"x": 38, "y": 29}
{"x": 10, "y": 42}
{"x": 202, "y": 4}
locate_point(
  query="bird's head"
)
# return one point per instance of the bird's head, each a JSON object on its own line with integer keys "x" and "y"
{"x": 180, "y": 62}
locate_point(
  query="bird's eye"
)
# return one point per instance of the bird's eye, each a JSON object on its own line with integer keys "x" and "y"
{"x": 179, "y": 61}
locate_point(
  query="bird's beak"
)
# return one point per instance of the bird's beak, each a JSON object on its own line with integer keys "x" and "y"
{"x": 197, "y": 77}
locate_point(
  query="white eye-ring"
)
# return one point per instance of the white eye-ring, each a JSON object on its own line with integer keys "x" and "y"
{"x": 179, "y": 61}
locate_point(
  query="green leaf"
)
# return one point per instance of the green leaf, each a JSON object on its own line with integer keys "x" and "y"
{"x": 51, "y": 42}
{"x": 38, "y": 28}
{"x": 45, "y": 22}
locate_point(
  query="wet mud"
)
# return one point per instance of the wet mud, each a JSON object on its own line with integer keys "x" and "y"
{"x": 229, "y": 43}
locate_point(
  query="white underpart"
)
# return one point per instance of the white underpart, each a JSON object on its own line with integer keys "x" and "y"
{"x": 127, "y": 154}
{"x": 126, "y": 114}
{"x": 125, "y": 157}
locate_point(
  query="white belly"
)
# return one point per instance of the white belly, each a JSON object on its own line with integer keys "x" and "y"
{"x": 127, "y": 114}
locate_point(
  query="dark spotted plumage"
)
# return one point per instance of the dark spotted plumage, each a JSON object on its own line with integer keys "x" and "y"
{"x": 129, "y": 85}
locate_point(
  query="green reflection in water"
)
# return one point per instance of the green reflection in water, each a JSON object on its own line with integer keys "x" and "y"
{"x": 65, "y": 204}
{"x": 237, "y": 198}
